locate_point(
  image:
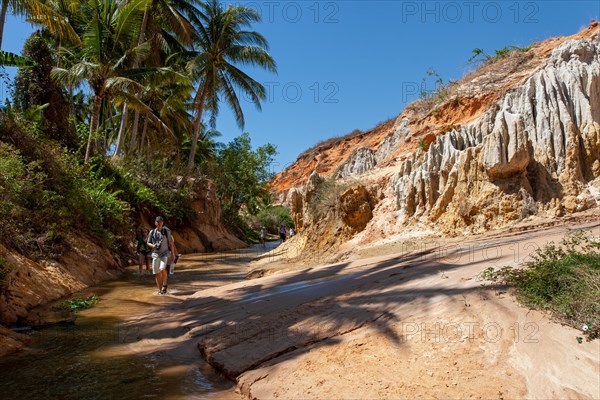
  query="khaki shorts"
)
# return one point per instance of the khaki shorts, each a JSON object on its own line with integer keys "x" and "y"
{"x": 159, "y": 263}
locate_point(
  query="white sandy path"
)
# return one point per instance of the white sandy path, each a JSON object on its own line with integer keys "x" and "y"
{"x": 399, "y": 326}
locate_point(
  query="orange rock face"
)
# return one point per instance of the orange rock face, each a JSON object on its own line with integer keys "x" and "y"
{"x": 465, "y": 101}
{"x": 518, "y": 137}
{"x": 355, "y": 208}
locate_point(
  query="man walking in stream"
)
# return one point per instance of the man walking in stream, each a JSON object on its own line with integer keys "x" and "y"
{"x": 159, "y": 240}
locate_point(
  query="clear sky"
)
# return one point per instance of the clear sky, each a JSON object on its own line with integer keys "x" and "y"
{"x": 346, "y": 65}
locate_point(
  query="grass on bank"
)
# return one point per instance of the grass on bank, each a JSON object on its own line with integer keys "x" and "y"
{"x": 78, "y": 303}
{"x": 563, "y": 279}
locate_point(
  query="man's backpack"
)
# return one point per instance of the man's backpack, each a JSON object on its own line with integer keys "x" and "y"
{"x": 167, "y": 234}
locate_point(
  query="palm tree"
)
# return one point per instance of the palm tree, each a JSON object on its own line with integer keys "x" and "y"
{"x": 161, "y": 19}
{"x": 168, "y": 95}
{"x": 108, "y": 28}
{"x": 207, "y": 147}
{"x": 14, "y": 60}
{"x": 223, "y": 44}
{"x": 38, "y": 13}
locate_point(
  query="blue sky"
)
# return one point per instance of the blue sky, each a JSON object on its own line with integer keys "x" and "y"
{"x": 345, "y": 65}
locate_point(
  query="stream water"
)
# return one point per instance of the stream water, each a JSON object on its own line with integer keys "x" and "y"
{"x": 99, "y": 357}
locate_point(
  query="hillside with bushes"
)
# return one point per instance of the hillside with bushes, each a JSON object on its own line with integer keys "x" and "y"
{"x": 110, "y": 122}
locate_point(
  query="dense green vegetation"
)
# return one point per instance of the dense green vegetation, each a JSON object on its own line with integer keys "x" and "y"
{"x": 563, "y": 279}
{"x": 112, "y": 120}
{"x": 272, "y": 217}
{"x": 242, "y": 175}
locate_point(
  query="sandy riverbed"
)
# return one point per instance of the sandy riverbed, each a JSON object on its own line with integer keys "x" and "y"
{"x": 408, "y": 324}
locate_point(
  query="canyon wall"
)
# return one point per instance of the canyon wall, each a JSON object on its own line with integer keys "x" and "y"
{"x": 518, "y": 138}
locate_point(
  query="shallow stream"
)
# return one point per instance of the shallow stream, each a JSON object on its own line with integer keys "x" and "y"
{"x": 100, "y": 356}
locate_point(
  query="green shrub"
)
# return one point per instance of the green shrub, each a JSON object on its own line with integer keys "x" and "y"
{"x": 273, "y": 216}
{"x": 48, "y": 196}
{"x": 78, "y": 303}
{"x": 24, "y": 201}
{"x": 479, "y": 54}
{"x": 107, "y": 205}
{"x": 19, "y": 180}
{"x": 240, "y": 225}
{"x": 142, "y": 186}
{"x": 563, "y": 279}
{"x": 441, "y": 88}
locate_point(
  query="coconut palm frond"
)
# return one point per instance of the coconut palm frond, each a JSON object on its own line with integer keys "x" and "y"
{"x": 9, "y": 59}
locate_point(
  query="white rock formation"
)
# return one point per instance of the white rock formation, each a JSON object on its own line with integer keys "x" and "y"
{"x": 540, "y": 142}
{"x": 533, "y": 151}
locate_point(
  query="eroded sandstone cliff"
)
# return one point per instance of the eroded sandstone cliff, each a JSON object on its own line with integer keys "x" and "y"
{"x": 518, "y": 138}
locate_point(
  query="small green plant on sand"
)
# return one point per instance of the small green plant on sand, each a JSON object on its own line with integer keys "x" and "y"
{"x": 563, "y": 279}
{"x": 78, "y": 303}
{"x": 479, "y": 54}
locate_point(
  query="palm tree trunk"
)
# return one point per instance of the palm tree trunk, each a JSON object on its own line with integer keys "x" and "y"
{"x": 141, "y": 149}
{"x": 195, "y": 135}
{"x": 134, "y": 130}
{"x": 112, "y": 125}
{"x": 192, "y": 160}
{"x": 101, "y": 142}
{"x": 121, "y": 134}
{"x": 124, "y": 116}
{"x": 147, "y": 150}
{"x": 3, "y": 19}
{"x": 93, "y": 127}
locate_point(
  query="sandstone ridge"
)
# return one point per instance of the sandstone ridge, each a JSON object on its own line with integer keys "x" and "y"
{"x": 518, "y": 138}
